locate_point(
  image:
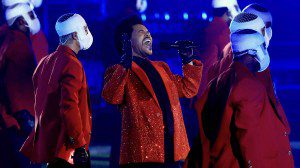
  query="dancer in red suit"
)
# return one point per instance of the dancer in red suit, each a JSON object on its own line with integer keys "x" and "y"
{"x": 216, "y": 36}
{"x": 62, "y": 129}
{"x": 147, "y": 92}
{"x": 239, "y": 124}
{"x": 261, "y": 24}
{"x": 17, "y": 64}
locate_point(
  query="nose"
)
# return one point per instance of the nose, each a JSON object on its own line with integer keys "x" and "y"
{"x": 148, "y": 34}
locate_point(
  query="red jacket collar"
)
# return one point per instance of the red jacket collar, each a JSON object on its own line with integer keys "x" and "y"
{"x": 62, "y": 48}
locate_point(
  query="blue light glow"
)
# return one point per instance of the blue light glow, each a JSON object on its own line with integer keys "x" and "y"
{"x": 185, "y": 16}
{"x": 167, "y": 16}
{"x": 204, "y": 15}
{"x": 144, "y": 17}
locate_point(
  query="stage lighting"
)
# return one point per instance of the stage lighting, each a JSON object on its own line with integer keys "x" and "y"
{"x": 167, "y": 16}
{"x": 144, "y": 17}
{"x": 204, "y": 16}
{"x": 185, "y": 16}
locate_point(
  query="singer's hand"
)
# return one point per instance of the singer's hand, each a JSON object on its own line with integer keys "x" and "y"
{"x": 126, "y": 58}
{"x": 186, "y": 53}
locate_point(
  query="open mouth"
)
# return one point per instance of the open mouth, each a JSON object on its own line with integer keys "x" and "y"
{"x": 148, "y": 43}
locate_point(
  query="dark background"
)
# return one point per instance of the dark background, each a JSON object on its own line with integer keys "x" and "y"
{"x": 102, "y": 15}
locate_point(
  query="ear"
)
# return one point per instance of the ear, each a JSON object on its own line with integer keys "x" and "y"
{"x": 22, "y": 22}
{"x": 263, "y": 31}
{"x": 75, "y": 36}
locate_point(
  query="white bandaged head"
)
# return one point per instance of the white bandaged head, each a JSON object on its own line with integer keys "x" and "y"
{"x": 13, "y": 12}
{"x": 8, "y": 3}
{"x": 75, "y": 23}
{"x": 32, "y": 3}
{"x": 36, "y": 3}
{"x": 265, "y": 15}
{"x": 247, "y": 21}
{"x": 232, "y": 5}
{"x": 253, "y": 43}
{"x": 141, "y": 5}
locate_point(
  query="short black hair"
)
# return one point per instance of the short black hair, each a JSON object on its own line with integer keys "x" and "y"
{"x": 219, "y": 12}
{"x": 125, "y": 26}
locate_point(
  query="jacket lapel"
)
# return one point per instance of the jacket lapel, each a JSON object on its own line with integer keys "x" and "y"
{"x": 164, "y": 78}
{"x": 143, "y": 77}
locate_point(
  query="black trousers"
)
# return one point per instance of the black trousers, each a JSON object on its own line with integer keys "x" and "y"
{"x": 178, "y": 164}
{"x": 61, "y": 163}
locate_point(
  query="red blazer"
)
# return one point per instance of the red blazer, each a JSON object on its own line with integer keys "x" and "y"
{"x": 18, "y": 55}
{"x": 142, "y": 118}
{"x": 216, "y": 36}
{"x": 252, "y": 131}
{"x": 18, "y": 63}
{"x": 264, "y": 77}
{"x": 39, "y": 45}
{"x": 62, "y": 111}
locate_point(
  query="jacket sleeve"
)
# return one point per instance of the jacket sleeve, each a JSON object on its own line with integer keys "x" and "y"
{"x": 71, "y": 83}
{"x": 187, "y": 85}
{"x": 115, "y": 79}
{"x": 248, "y": 103}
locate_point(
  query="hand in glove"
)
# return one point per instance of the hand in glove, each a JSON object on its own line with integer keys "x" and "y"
{"x": 80, "y": 157}
{"x": 185, "y": 51}
{"x": 126, "y": 58}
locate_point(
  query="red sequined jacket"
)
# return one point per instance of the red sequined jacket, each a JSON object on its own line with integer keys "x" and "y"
{"x": 142, "y": 118}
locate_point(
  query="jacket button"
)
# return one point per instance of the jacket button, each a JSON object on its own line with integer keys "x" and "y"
{"x": 285, "y": 134}
{"x": 290, "y": 153}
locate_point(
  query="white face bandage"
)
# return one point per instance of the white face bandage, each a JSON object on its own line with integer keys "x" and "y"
{"x": 76, "y": 23}
{"x": 253, "y": 43}
{"x": 265, "y": 15}
{"x": 33, "y": 23}
{"x": 232, "y": 6}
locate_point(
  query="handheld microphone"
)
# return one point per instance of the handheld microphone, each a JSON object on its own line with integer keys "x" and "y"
{"x": 168, "y": 45}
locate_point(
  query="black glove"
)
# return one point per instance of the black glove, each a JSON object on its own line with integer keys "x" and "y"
{"x": 80, "y": 157}
{"x": 126, "y": 58}
{"x": 185, "y": 51}
{"x": 25, "y": 120}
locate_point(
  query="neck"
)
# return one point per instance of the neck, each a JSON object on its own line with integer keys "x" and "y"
{"x": 139, "y": 56}
{"x": 250, "y": 67}
{"x": 73, "y": 47}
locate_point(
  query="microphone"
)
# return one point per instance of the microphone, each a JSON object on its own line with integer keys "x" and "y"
{"x": 178, "y": 45}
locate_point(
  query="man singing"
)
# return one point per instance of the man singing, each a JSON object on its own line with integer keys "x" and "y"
{"x": 147, "y": 92}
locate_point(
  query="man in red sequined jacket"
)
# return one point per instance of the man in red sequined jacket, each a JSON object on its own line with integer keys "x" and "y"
{"x": 147, "y": 92}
